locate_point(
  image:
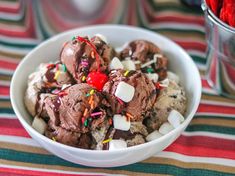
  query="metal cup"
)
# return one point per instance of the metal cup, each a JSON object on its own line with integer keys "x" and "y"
{"x": 220, "y": 54}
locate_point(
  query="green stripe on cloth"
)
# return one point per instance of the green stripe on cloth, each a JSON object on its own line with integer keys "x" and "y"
{"x": 217, "y": 129}
{"x": 18, "y": 45}
{"x": 138, "y": 167}
{"x": 198, "y": 59}
{"x": 214, "y": 117}
{"x": 7, "y": 110}
{"x": 173, "y": 6}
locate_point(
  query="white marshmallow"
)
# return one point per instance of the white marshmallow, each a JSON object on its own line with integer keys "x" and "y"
{"x": 165, "y": 128}
{"x": 115, "y": 64}
{"x": 153, "y": 76}
{"x": 121, "y": 123}
{"x": 117, "y": 144}
{"x": 165, "y": 82}
{"x": 102, "y": 37}
{"x": 39, "y": 125}
{"x": 175, "y": 118}
{"x": 128, "y": 65}
{"x": 172, "y": 76}
{"x": 154, "y": 135}
{"x": 125, "y": 91}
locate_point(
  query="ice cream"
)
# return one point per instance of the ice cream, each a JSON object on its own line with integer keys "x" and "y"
{"x": 73, "y": 110}
{"x": 143, "y": 98}
{"x": 75, "y": 114}
{"x": 48, "y": 77}
{"x": 96, "y": 99}
{"x": 171, "y": 97}
{"x": 82, "y": 56}
{"x": 146, "y": 56}
{"x": 134, "y": 136}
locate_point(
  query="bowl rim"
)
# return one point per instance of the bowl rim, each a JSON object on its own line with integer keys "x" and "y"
{"x": 207, "y": 10}
{"x": 39, "y": 136}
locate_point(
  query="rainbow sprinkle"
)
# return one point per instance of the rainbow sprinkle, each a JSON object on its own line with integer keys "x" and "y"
{"x": 107, "y": 140}
{"x": 120, "y": 101}
{"x": 92, "y": 91}
{"x": 85, "y": 112}
{"x": 57, "y": 75}
{"x": 96, "y": 114}
{"x": 64, "y": 68}
{"x": 62, "y": 93}
{"x": 50, "y": 66}
{"x": 92, "y": 105}
{"x": 83, "y": 78}
{"x": 84, "y": 63}
{"x": 83, "y": 120}
{"x": 129, "y": 116}
{"x": 53, "y": 138}
{"x": 126, "y": 73}
{"x": 86, "y": 123}
{"x": 91, "y": 100}
{"x": 110, "y": 121}
{"x": 149, "y": 70}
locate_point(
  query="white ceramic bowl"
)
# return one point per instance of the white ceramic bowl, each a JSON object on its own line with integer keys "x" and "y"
{"x": 180, "y": 63}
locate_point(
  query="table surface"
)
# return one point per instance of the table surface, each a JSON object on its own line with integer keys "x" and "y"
{"x": 207, "y": 147}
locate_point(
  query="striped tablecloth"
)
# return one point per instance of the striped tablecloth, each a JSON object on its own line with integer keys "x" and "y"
{"x": 207, "y": 147}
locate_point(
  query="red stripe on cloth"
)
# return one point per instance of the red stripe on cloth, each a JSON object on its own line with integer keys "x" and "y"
{"x": 216, "y": 109}
{"x": 192, "y": 45}
{"x": 205, "y": 83}
{"x": 11, "y": 123}
{"x": 12, "y": 127}
{"x": 207, "y": 142}
{"x": 39, "y": 173}
{"x": 201, "y": 151}
{"x": 132, "y": 12}
{"x": 4, "y": 90}
{"x": 22, "y": 32}
{"x": 14, "y": 132}
{"x": 5, "y": 7}
{"x": 12, "y": 174}
{"x": 8, "y": 65}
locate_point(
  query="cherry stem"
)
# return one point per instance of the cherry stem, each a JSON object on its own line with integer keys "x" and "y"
{"x": 81, "y": 39}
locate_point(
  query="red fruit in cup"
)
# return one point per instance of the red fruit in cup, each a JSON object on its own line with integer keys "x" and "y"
{"x": 223, "y": 15}
{"x": 214, "y": 5}
{"x": 231, "y": 16}
{"x": 227, "y": 13}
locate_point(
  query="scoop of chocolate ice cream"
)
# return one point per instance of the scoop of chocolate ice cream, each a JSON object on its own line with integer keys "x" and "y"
{"x": 145, "y": 52}
{"x": 43, "y": 81}
{"x": 74, "y": 109}
{"x": 106, "y": 51}
{"x": 171, "y": 97}
{"x": 80, "y": 58}
{"x": 144, "y": 95}
{"x": 41, "y": 106}
{"x": 59, "y": 134}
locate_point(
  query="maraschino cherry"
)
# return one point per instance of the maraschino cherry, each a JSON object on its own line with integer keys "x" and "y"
{"x": 96, "y": 78}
